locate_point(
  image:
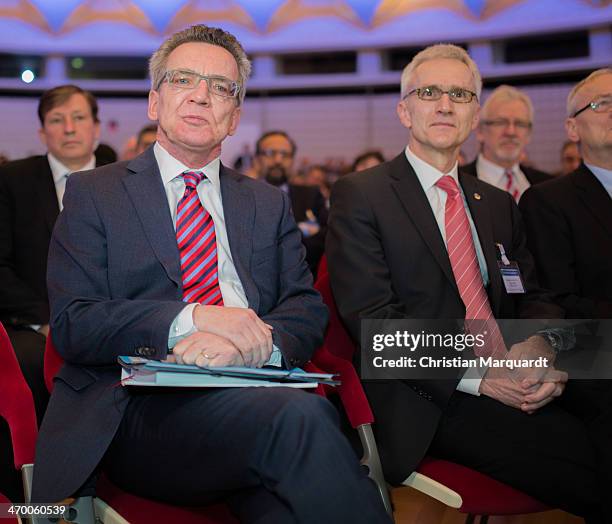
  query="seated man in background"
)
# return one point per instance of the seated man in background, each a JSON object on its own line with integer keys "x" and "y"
{"x": 503, "y": 132}
{"x": 274, "y": 158}
{"x": 413, "y": 239}
{"x": 569, "y": 219}
{"x": 173, "y": 252}
{"x": 31, "y": 191}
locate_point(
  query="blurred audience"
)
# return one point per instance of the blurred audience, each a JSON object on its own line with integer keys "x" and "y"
{"x": 105, "y": 154}
{"x": 504, "y": 130}
{"x": 367, "y": 160}
{"x": 570, "y": 157}
{"x": 317, "y": 176}
{"x": 146, "y": 137}
{"x": 274, "y": 157}
{"x": 3, "y": 159}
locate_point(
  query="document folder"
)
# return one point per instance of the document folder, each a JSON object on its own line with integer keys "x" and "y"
{"x": 143, "y": 372}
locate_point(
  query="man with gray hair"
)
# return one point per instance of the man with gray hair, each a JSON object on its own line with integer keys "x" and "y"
{"x": 429, "y": 239}
{"x": 504, "y": 130}
{"x": 174, "y": 256}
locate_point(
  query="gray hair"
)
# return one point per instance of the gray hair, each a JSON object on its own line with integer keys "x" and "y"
{"x": 506, "y": 93}
{"x": 206, "y": 35}
{"x": 437, "y": 51}
{"x": 571, "y": 98}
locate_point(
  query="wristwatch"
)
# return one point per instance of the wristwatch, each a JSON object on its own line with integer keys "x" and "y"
{"x": 554, "y": 339}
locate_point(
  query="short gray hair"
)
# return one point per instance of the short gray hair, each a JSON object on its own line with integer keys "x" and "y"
{"x": 505, "y": 93}
{"x": 206, "y": 35}
{"x": 571, "y": 98}
{"x": 435, "y": 52}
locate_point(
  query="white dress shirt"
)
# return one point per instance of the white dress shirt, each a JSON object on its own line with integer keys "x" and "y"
{"x": 209, "y": 191}
{"x": 428, "y": 176}
{"x": 496, "y": 175}
{"x": 60, "y": 174}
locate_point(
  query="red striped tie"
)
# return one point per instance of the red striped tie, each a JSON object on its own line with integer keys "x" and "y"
{"x": 462, "y": 255}
{"x": 510, "y": 187}
{"x": 197, "y": 243}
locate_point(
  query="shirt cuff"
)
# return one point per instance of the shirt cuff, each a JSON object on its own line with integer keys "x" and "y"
{"x": 276, "y": 359}
{"x": 182, "y": 326}
{"x": 470, "y": 383}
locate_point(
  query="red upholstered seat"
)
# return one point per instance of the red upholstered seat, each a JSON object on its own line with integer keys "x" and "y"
{"x": 4, "y": 500}
{"x": 139, "y": 510}
{"x": 17, "y": 408}
{"x": 480, "y": 494}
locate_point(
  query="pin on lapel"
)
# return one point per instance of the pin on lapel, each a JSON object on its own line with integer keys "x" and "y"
{"x": 477, "y": 196}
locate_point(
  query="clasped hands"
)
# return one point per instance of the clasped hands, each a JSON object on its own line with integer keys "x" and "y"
{"x": 226, "y": 336}
{"x": 527, "y": 389}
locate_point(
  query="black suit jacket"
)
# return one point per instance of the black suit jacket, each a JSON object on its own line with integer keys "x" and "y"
{"x": 28, "y": 210}
{"x": 115, "y": 288}
{"x": 534, "y": 176}
{"x": 387, "y": 259}
{"x": 304, "y": 198}
{"x": 569, "y": 229}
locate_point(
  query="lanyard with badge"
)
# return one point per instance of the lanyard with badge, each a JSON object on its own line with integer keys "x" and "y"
{"x": 510, "y": 272}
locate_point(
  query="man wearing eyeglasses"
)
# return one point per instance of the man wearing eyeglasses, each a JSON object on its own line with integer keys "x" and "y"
{"x": 172, "y": 255}
{"x": 414, "y": 239}
{"x": 274, "y": 158}
{"x": 504, "y": 130}
{"x": 569, "y": 220}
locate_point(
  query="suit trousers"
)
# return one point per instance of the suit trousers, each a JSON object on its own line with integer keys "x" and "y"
{"x": 275, "y": 455}
{"x": 553, "y": 455}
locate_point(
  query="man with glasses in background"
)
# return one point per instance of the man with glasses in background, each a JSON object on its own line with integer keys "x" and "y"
{"x": 506, "y": 120}
{"x": 174, "y": 255}
{"x": 274, "y": 159}
{"x": 414, "y": 239}
{"x": 569, "y": 219}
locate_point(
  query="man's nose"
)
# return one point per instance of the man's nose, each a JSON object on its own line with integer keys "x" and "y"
{"x": 444, "y": 104}
{"x": 201, "y": 93}
{"x": 69, "y": 126}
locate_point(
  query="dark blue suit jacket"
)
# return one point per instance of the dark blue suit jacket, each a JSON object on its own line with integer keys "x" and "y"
{"x": 115, "y": 287}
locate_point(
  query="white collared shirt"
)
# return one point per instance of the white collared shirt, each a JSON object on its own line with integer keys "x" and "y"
{"x": 496, "y": 175}
{"x": 60, "y": 174}
{"x": 209, "y": 192}
{"x": 428, "y": 176}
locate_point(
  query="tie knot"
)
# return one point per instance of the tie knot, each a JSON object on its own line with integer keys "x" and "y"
{"x": 447, "y": 183}
{"x": 193, "y": 178}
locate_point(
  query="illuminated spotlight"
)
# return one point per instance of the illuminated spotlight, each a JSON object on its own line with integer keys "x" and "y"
{"x": 27, "y": 76}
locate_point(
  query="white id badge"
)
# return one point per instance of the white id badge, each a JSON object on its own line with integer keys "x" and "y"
{"x": 510, "y": 273}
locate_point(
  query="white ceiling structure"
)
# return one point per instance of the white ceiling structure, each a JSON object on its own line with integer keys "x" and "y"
{"x": 138, "y": 26}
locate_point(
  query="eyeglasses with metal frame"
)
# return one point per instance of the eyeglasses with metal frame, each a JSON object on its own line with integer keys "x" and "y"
{"x": 433, "y": 93}
{"x": 217, "y": 85}
{"x": 600, "y": 105}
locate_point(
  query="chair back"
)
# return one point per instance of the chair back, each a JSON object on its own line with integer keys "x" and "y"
{"x": 336, "y": 356}
{"x": 52, "y": 363}
{"x": 16, "y": 404}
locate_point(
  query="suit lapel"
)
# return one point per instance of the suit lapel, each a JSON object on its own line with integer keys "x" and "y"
{"x": 46, "y": 194}
{"x": 239, "y": 214}
{"x": 410, "y": 193}
{"x": 482, "y": 217}
{"x": 145, "y": 188}
{"x": 595, "y": 197}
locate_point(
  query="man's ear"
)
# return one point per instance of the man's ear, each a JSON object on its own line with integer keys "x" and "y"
{"x": 42, "y": 136}
{"x": 403, "y": 114}
{"x": 153, "y": 101}
{"x": 235, "y": 120}
{"x": 571, "y": 129}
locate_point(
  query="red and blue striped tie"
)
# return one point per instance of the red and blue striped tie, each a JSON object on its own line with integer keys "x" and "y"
{"x": 197, "y": 243}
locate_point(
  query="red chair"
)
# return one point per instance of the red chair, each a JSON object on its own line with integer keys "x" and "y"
{"x": 112, "y": 505}
{"x": 457, "y": 486}
{"x": 16, "y": 407}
